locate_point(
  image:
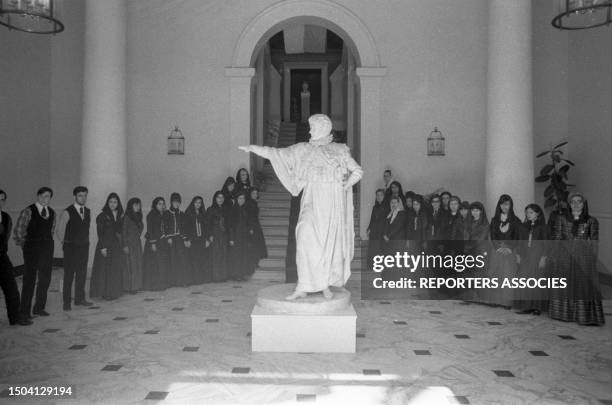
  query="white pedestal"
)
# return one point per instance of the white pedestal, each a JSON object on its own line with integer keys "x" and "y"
{"x": 333, "y": 332}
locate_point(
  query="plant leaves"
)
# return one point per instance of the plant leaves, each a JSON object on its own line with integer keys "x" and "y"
{"x": 556, "y": 157}
{"x": 542, "y": 179}
{"x": 569, "y": 162}
{"x": 560, "y": 145}
{"x": 549, "y": 191}
{"x": 542, "y": 153}
{"x": 546, "y": 169}
{"x": 564, "y": 169}
{"x": 549, "y": 202}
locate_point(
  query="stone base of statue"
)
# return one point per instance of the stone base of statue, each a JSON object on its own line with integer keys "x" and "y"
{"x": 311, "y": 324}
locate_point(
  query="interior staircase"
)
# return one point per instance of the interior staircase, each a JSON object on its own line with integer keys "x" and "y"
{"x": 274, "y": 204}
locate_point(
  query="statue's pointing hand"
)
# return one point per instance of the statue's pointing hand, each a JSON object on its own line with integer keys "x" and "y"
{"x": 246, "y": 148}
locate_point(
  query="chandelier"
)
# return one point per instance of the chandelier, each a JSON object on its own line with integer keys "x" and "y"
{"x": 34, "y": 16}
{"x": 582, "y": 14}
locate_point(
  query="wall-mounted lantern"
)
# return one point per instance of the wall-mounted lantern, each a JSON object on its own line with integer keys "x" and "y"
{"x": 176, "y": 142}
{"x": 435, "y": 143}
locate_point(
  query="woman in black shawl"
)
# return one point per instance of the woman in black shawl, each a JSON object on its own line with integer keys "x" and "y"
{"x": 107, "y": 271}
{"x": 477, "y": 239}
{"x": 180, "y": 270}
{"x": 196, "y": 233}
{"x": 239, "y": 240}
{"x": 576, "y": 239}
{"x": 131, "y": 230}
{"x": 243, "y": 182}
{"x": 260, "y": 250}
{"x": 505, "y": 233}
{"x": 229, "y": 192}
{"x": 376, "y": 228}
{"x": 155, "y": 260}
{"x": 215, "y": 230}
{"x": 533, "y": 250}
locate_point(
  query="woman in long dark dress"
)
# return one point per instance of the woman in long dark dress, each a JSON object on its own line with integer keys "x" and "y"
{"x": 243, "y": 182}
{"x": 131, "y": 231}
{"x": 417, "y": 226}
{"x": 456, "y": 224}
{"x": 576, "y": 237}
{"x": 196, "y": 233}
{"x": 107, "y": 272}
{"x": 229, "y": 192}
{"x": 180, "y": 271}
{"x": 477, "y": 241}
{"x": 155, "y": 259}
{"x": 260, "y": 250}
{"x": 239, "y": 240}
{"x": 505, "y": 232}
{"x": 216, "y": 235}
{"x": 533, "y": 250}
{"x": 376, "y": 228}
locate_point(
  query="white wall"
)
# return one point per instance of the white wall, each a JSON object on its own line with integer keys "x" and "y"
{"x": 24, "y": 120}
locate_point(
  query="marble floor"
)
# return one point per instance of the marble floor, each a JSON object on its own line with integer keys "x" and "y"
{"x": 192, "y": 346}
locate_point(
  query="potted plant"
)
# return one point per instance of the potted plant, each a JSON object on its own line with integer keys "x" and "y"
{"x": 555, "y": 172}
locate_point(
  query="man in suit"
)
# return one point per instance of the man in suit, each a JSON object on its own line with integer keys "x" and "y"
{"x": 34, "y": 233}
{"x": 73, "y": 233}
{"x": 7, "y": 278}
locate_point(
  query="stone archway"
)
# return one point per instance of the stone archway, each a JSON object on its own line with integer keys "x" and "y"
{"x": 369, "y": 73}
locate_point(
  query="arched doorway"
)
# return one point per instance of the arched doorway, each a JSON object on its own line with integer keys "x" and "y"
{"x": 368, "y": 72}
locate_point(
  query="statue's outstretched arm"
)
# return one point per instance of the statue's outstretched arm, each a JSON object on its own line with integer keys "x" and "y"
{"x": 263, "y": 151}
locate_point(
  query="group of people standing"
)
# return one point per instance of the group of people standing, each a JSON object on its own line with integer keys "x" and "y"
{"x": 195, "y": 246}
{"x": 564, "y": 247}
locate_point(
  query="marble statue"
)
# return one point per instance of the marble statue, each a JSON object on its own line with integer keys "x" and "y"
{"x": 325, "y": 236}
{"x": 305, "y": 102}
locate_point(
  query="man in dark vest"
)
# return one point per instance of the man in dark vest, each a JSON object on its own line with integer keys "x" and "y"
{"x": 7, "y": 278}
{"x": 34, "y": 233}
{"x": 73, "y": 233}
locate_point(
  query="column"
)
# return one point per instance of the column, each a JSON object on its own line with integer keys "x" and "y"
{"x": 369, "y": 81}
{"x": 509, "y": 142}
{"x": 103, "y": 149}
{"x": 240, "y": 115}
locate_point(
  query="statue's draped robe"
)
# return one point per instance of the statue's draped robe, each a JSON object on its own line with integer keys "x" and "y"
{"x": 325, "y": 234}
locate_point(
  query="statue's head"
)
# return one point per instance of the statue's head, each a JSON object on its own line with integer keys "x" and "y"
{"x": 305, "y": 86}
{"x": 320, "y": 126}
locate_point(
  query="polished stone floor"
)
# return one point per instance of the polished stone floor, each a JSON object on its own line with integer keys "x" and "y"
{"x": 192, "y": 346}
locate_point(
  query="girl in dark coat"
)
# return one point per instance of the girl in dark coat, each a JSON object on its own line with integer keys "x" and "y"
{"x": 107, "y": 271}
{"x": 180, "y": 270}
{"x": 132, "y": 246}
{"x": 505, "y": 228}
{"x": 196, "y": 233}
{"x": 376, "y": 228}
{"x": 240, "y": 245}
{"x": 417, "y": 227}
{"x": 260, "y": 250}
{"x": 533, "y": 250}
{"x": 576, "y": 237}
{"x": 229, "y": 192}
{"x": 394, "y": 232}
{"x": 155, "y": 260}
{"x": 216, "y": 235}
{"x": 243, "y": 182}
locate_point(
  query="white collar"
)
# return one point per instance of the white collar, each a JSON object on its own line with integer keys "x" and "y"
{"x": 39, "y": 207}
{"x": 78, "y": 206}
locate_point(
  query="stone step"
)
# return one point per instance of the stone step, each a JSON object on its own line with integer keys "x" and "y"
{"x": 273, "y": 213}
{"x": 274, "y": 204}
{"x": 279, "y": 265}
{"x": 275, "y": 231}
{"x": 274, "y": 196}
{"x": 274, "y": 221}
